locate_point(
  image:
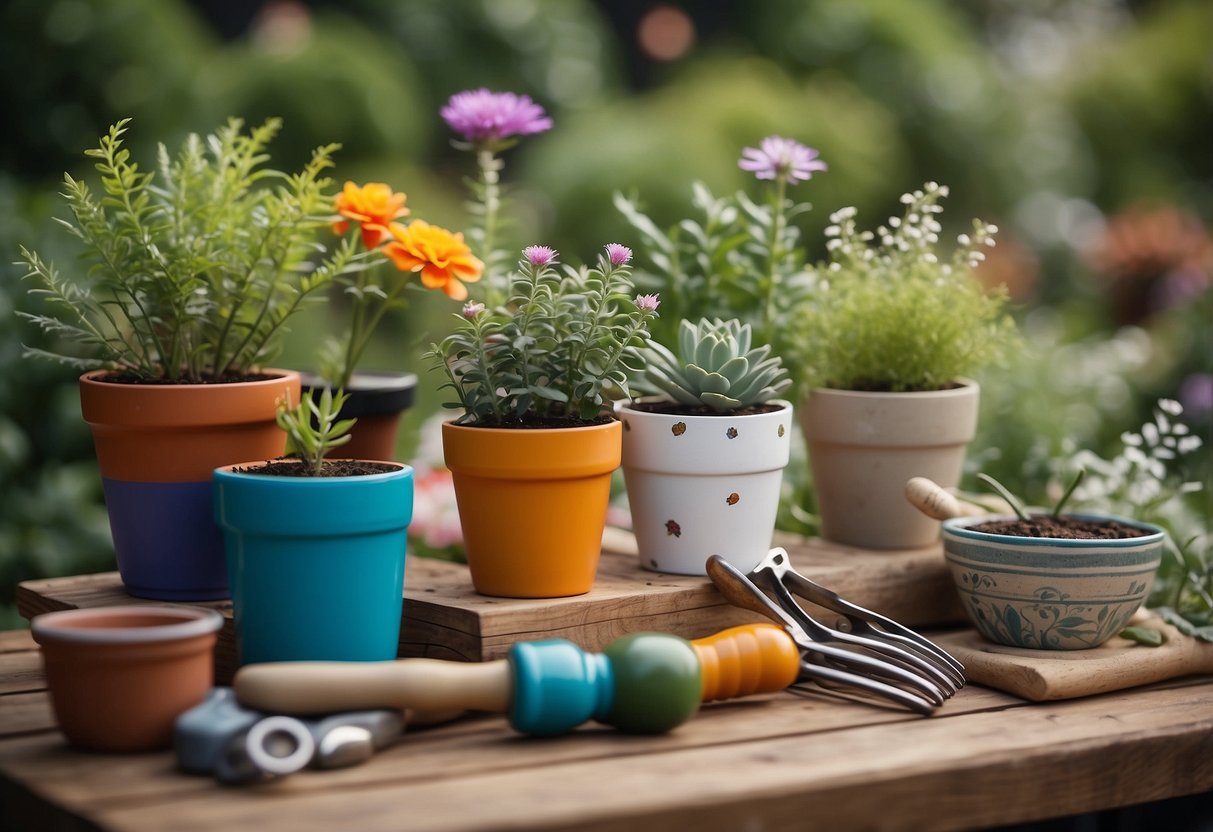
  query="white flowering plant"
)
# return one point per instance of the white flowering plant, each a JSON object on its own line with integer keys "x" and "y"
{"x": 1145, "y": 481}
{"x": 566, "y": 341}
{"x": 889, "y": 312}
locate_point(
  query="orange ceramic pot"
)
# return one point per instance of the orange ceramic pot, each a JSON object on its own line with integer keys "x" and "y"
{"x": 157, "y": 445}
{"x": 120, "y": 676}
{"x": 377, "y": 399}
{"x": 532, "y": 504}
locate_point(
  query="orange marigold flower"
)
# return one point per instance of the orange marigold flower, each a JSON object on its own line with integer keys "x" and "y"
{"x": 444, "y": 260}
{"x": 373, "y": 206}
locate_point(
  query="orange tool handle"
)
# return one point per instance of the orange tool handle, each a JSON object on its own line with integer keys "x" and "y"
{"x": 741, "y": 661}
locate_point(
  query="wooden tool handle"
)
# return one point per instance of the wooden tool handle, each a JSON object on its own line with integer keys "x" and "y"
{"x": 937, "y": 502}
{"x": 420, "y": 684}
{"x": 741, "y": 661}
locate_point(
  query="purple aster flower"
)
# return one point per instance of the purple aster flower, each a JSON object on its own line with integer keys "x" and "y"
{"x": 539, "y": 255}
{"x": 781, "y": 158}
{"x": 472, "y": 309}
{"x": 486, "y": 116}
{"x": 618, "y": 255}
{"x": 648, "y": 303}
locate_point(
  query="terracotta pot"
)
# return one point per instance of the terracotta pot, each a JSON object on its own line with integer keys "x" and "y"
{"x": 863, "y": 447}
{"x": 317, "y": 563}
{"x": 377, "y": 400}
{"x": 703, "y": 485}
{"x": 120, "y": 676}
{"x": 1047, "y": 593}
{"x": 532, "y": 505}
{"x": 157, "y": 445}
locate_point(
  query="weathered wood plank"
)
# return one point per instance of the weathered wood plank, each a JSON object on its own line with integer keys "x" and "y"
{"x": 17, "y": 641}
{"x": 445, "y": 618}
{"x": 24, "y": 713}
{"x": 975, "y": 770}
{"x": 21, "y": 672}
{"x": 472, "y": 746}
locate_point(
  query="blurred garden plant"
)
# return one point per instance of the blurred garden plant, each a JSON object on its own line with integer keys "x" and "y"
{"x": 742, "y": 258}
{"x": 441, "y": 257}
{"x": 565, "y": 340}
{"x": 489, "y": 123}
{"x": 890, "y": 312}
{"x": 1145, "y": 481}
{"x": 195, "y": 268}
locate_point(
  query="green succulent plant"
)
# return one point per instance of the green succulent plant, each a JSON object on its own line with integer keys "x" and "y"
{"x": 716, "y": 367}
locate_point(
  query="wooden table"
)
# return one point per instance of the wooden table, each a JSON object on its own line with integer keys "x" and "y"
{"x": 782, "y": 761}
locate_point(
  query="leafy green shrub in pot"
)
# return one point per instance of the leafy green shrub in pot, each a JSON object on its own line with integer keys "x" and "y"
{"x": 193, "y": 270}
{"x": 885, "y": 341}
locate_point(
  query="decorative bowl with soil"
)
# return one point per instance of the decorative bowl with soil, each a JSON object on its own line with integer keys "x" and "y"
{"x": 1065, "y": 582}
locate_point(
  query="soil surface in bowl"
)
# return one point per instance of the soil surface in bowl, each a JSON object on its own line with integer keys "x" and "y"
{"x": 338, "y": 468}
{"x": 1064, "y": 527}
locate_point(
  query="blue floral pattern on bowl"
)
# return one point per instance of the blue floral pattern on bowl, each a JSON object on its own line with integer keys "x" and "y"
{"x": 1045, "y": 593}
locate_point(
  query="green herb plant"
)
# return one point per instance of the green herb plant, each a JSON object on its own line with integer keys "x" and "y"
{"x": 889, "y": 312}
{"x": 313, "y": 427}
{"x": 194, "y": 267}
{"x": 564, "y": 342}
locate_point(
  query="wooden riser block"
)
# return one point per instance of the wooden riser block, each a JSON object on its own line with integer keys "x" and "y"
{"x": 445, "y": 618}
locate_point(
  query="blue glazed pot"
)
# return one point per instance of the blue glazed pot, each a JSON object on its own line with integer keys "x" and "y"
{"x": 1048, "y": 593}
{"x": 316, "y": 564}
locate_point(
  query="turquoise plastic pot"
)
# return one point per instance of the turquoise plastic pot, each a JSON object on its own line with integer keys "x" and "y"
{"x": 316, "y": 565}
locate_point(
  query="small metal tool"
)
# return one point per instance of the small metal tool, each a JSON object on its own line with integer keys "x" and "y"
{"x": 875, "y": 654}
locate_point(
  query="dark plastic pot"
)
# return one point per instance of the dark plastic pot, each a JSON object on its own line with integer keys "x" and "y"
{"x": 377, "y": 400}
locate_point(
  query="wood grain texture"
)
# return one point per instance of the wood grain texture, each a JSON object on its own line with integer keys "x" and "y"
{"x": 444, "y": 617}
{"x": 920, "y": 774}
{"x": 1043, "y": 675}
{"x": 794, "y": 761}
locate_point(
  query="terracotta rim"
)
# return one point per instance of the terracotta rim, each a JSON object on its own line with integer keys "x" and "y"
{"x": 65, "y": 625}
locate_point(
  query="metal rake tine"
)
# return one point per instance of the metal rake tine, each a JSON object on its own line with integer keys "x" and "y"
{"x": 906, "y": 659}
{"x": 779, "y": 564}
{"x": 874, "y": 686}
{"x": 740, "y": 591}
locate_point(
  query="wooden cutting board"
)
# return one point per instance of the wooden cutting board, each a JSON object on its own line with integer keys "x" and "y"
{"x": 1042, "y": 675}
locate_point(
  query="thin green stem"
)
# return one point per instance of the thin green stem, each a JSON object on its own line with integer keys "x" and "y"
{"x": 775, "y": 255}
{"x": 1002, "y": 491}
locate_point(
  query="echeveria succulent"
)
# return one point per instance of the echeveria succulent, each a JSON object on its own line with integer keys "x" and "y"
{"x": 716, "y": 367}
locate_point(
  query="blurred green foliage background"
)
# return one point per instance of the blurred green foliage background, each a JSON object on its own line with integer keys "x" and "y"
{"x": 1082, "y": 128}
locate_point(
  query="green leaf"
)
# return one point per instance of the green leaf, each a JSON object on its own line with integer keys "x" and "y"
{"x": 1146, "y": 636}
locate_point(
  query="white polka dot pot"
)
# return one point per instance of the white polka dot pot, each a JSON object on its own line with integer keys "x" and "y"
{"x": 703, "y": 485}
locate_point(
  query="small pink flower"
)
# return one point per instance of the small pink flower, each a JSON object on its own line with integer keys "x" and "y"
{"x": 539, "y": 255}
{"x": 780, "y": 158}
{"x": 472, "y": 309}
{"x": 617, "y": 254}
{"x": 648, "y": 303}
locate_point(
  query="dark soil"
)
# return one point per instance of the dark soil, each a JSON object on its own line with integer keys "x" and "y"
{"x": 131, "y": 378}
{"x": 862, "y": 386}
{"x": 1064, "y": 527}
{"x": 531, "y": 422}
{"x": 674, "y": 409}
{"x": 338, "y": 468}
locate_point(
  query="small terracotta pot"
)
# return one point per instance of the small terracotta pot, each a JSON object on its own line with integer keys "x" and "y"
{"x": 532, "y": 505}
{"x": 120, "y": 676}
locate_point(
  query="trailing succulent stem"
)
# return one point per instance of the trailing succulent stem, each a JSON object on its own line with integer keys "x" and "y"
{"x": 716, "y": 367}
